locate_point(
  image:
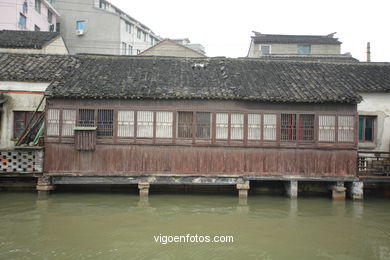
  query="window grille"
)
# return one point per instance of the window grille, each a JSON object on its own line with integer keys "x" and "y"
{"x": 68, "y": 122}
{"x": 164, "y": 122}
{"x": 53, "y": 122}
{"x": 346, "y": 128}
{"x": 326, "y": 128}
{"x": 145, "y": 124}
{"x": 288, "y": 128}
{"x": 105, "y": 122}
{"x": 254, "y": 126}
{"x": 222, "y": 125}
{"x": 306, "y": 127}
{"x": 203, "y": 125}
{"x": 269, "y": 127}
{"x": 184, "y": 124}
{"x": 237, "y": 126}
{"x": 86, "y": 117}
{"x": 125, "y": 123}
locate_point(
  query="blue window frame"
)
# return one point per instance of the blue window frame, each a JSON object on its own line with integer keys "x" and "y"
{"x": 80, "y": 25}
{"x": 22, "y": 21}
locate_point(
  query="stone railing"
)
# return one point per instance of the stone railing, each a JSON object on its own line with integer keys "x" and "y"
{"x": 21, "y": 160}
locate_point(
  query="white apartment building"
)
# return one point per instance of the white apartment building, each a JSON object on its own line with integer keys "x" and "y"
{"x": 97, "y": 26}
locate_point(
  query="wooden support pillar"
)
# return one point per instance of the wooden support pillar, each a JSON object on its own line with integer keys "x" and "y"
{"x": 44, "y": 185}
{"x": 356, "y": 190}
{"x": 338, "y": 191}
{"x": 243, "y": 189}
{"x": 291, "y": 189}
{"x": 143, "y": 189}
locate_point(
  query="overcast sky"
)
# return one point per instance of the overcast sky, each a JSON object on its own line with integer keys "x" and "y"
{"x": 224, "y": 27}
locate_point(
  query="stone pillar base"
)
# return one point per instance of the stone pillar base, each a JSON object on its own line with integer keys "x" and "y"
{"x": 356, "y": 191}
{"x": 143, "y": 189}
{"x": 338, "y": 191}
{"x": 292, "y": 189}
{"x": 44, "y": 185}
{"x": 243, "y": 189}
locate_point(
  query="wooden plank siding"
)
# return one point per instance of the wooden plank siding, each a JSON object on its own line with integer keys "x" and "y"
{"x": 125, "y": 153}
{"x": 152, "y": 159}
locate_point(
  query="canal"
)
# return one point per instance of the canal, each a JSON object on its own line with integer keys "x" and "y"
{"x": 120, "y": 226}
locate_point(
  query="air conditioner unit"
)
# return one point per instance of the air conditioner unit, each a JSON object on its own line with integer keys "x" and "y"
{"x": 79, "y": 32}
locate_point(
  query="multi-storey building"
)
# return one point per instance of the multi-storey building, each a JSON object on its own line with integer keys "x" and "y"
{"x": 30, "y": 15}
{"x": 97, "y": 26}
{"x": 309, "y": 47}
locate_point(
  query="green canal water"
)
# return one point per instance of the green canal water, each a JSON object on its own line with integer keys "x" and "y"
{"x": 120, "y": 226}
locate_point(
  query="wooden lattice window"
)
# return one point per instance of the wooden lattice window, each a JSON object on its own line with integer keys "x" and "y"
{"x": 326, "y": 128}
{"x": 237, "y": 127}
{"x": 164, "y": 121}
{"x": 184, "y": 124}
{"x": 254, "y": 126}
{"x": 145, "y": 121}
{"x": 53, "y": 122}
{"x": 203, "y": 125}
{"x": 306, "y": 127}
{"x": 125, "y": 123}
{"x": 105, "y": 122}
{"x": 68, "y": 122}
{"x": 86, "y": 117}
{"x": 269, "y": 127}
{"x": 222, "y": 125}
{"x": 288, "y": 127}
{"x": 346, "y": 128}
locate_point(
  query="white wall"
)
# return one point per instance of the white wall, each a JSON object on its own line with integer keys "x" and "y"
{"x": 20, "y": 96}
{"x": 377, "y": 104}
{"x": 292, "y": 49}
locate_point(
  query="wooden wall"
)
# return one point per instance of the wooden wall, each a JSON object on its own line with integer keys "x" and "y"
{"x": 151, "y": 159}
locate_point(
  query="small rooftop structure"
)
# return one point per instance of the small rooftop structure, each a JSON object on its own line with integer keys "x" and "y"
{"x": 172, "y": 48}
{"x": 284, "y": 38}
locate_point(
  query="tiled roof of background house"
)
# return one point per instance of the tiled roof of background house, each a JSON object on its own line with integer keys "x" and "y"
{"x": 26, "y": 39}
{"x": 308, "y": 39}
{"x": 35, "y": 67}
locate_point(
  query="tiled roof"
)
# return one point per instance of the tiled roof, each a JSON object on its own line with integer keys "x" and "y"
{"x": 35, "y": 67}
{"x": 203, "y": 78}
{"x": 137, "y": 77}
{"x": 26, "y": 39}
{"x": 308, "y": 39}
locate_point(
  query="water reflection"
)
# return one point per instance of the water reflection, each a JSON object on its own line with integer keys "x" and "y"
{"x": 101, "y": 226}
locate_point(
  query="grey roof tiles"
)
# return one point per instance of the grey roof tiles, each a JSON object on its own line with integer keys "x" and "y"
{"x": 26, "y": 39}
{"x": 121, "y": 77}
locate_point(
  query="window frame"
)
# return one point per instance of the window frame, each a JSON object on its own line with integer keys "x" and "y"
{"x": 26, "y": 120}
{"x": 335, "y": 130}
{"x": 210, "y": 135}
{"x": 269, "y": 49}
{"x": 304, "y": 49}
{"x": 192, "y": 125}
{"x": 38, "y": 6}
{"x": 79, "y": 23}
{"x": 373, "y": 129}
{"x": 49, "y": 16}
{"x": 22, "y": 17}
